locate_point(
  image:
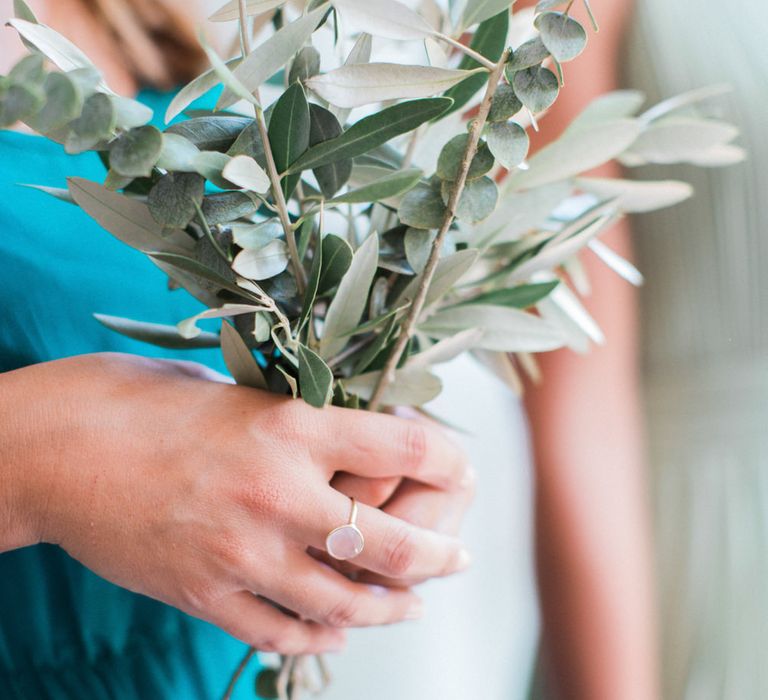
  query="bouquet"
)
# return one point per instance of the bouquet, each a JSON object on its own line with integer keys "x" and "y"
{"x": 375, "y": 219}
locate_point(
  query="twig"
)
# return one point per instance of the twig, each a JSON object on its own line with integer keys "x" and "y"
{"x": 482, "y": 60}
{"x": 274, "y": 176}
{"x": 388, "y": 372}
{"x": 238, "y": 672}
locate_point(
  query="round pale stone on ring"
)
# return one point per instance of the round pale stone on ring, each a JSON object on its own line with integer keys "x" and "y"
{"x": 345, "y": 542}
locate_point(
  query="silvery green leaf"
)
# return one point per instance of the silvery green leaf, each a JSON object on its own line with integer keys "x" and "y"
{"x": 305, "y": 65}
{"x": 125, "y": 218}
{"x": 293, "y": 385}
{"x": 422, "y": 207}
{"x": 323, "y": 127}
{"x": 450, "y": 269}
{"x": 360, "y": 53}
{"x": 411, "y": 387}
{"x": 385, "y": 18}
{"x": 358, "y": 84}
{"x": 336, "y": 259}
{"x": 156, "y": 333}
{"x": 552, "y": 256}
{"x": 19, "y": 102}
{"x": 372, "y": 131}
{"x": 211, "y": 133}
{"x": 239, "y": 359}
{"x": 262, "y": 263}
{"x": 174, "y": 198}
{"x": 231, "y": 10}
{"x": 95, "y": 123}
{"x": 619, "y": 265}
{"x": 177, "y": 154}
{"x": 246, "y": 173}
{"x": 23, "y": 11}
{"x": 256, "y": 235}
{"x": 564, "y": 309}
{"x": 418, "y": 245}
{"x": 476, "y": 11}
{"x": 51, "y": 44}
{"x": 504, "y": 104}
{"x": 56, "y": 192}
{"x": 389, "y": 185}
{"x": 30, "y": 69}
{"x": 452, "y": 155}
{"x": 508, "y": 142}
{"x": 135, "y": 152}
{"x": 619, "y": 104}
{"x": 197, "y": 88}
{"x": 635, "y": 196}
{"x": 269, "y": 57}
{"x": 226, "y": 76}
{"x": 447, "y": 349}
{"x": 349, "y": 302}
{"x": 131, "y": 113}
{"x": 188, "y": 327}
{"x": 719, "y": 155}
{"x": 544, "y": 5}
{"x": 501, "y": 366}
{"x": 315, "y": 378}
{"x": 503, "y": 329}
{"x": 684, "y": 100}
{"x": 211, "y": 164}
{"x": 223, "y": 207}
{"x": 527, "y": 55}
{"x": 289, "y": 132}
{"x": 576, "y": 152}
{"x": 477, "y": 201}
{"x": 563, "y": 36}
{"x": 313, "y": 284}
{"x": 536, "y": 87}
{"x": 522, "y": 296}
{"x": 115, "y": 181}
{"x": 680, "y": 139}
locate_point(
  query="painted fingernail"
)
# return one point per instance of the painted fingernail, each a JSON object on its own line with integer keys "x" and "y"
{"x": 415, "y": 611}
{"x": 464, "y": 560}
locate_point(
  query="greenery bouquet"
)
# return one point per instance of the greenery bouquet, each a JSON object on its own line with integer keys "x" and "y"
{"x": 375, "y": 219}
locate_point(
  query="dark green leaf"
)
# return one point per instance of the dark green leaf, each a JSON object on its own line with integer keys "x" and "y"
{"x": 477, "y": 200}
{"x": 174, "y": 198}
{"x": 223, "y": 207}
{"x": 422, "y": 207}
{"x": 449, "y": 162}
{"x": 289, "y": 132}
{"x": 536, "y": 87}
{"x": 192, "y": 266}
{"x": 157, "y": 334}
{"x": 249, "y": 143}
{"x": 305, "y": 65}
{"x": 95, "y": 123}
{"x": 520, "y": 297}
{"x": 391, "y": 185}
{"x": 489, "y": 40}
{"x": 315, "y": 378}
{"x": 372, "y": 131}
{"x": 211, "y": 133}
{"x": 377, "y": 345}
{"x": 313, "y": 284}
{"x": 337, "y": 257}
{"x": 323, "y": 127}
{"x": 136, "y": 151}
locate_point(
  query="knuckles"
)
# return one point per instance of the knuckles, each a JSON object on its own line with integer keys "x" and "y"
{"x": 344, "y": 613}
{"x": 399, "y": 552}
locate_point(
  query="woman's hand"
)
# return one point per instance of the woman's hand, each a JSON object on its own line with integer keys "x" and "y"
{"x": 206, "y": 496}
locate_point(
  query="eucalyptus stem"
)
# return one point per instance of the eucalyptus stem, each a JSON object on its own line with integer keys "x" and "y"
{"x": 274, "y": 176}
{"x": 482, "y": 60}
{"x": 388, "y": 372}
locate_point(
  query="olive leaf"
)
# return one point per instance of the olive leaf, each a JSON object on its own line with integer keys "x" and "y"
{"x": 357, "y": 84}
{"x": 385, "y": 18}
{"x": 51, "y": 44}
{"x": 289, "y": 132}
{"x": 315, "y": 378}
{"x": 634, "y": 196}
{"x": 231, "y": 10}
{"x": 226, "y": 76}
{"x": 305, "y": 65}
{"x": 478, "y": 10}
{"x": 157, "y": 334}
{"x": 177, "y": 153}
{"x": 175, "y": 197}
{"x": 390, "y": 185}
{"x": 447, "y": 349}
{"x": 188, "y": 327}
{"x": 211, "y": 133}
{"x": 136, "y": 151}
{"x": 360, "y": 53}
{"x": 349, "y": 302}
{"x": 195, "y": 89}
{"x": 522, "y": 296}
{"x": 450, "y": 269}
{"x": 239, "y": 359}
{"x": 411, "y": 387}
{"x": 324, "y": 126}
{"x": 336, "y": 259}
{"x": 262, "y": 263}
{"x": 246, "y": 173}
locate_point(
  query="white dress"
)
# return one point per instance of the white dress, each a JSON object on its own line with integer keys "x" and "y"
{"x": 479, "y": 634}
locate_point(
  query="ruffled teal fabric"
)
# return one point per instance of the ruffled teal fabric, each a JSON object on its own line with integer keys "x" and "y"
{"x": 65, "y": 632}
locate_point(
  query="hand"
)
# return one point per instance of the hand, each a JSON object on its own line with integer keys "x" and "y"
{"x": 206, "y": 495}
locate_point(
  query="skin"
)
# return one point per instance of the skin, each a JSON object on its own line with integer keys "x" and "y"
{"x": 593, "y": 536}
{"x": 222, "y": 510}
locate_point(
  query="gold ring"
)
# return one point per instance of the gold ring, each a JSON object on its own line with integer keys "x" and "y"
{"x": 346, "y": 541}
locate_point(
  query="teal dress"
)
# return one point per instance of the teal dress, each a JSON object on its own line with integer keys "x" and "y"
{"x": 65, "y": 632}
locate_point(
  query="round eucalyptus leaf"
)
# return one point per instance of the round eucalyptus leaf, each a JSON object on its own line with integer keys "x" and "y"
{"x": 418, "y": 245}
{"x": 19, "y": 102}
{"x": 508, "y": 142}
{"x": 95, "y": 123}
{"x": 63, "y": 102}
{"x": 449, "y": 162}
{"x": 305, "y": 65}
{"x": 537, "y": 87}
{"x": 562, "y": 35}
{"x": 210, "y": 165}
{"x": 174, "y": 198}
{"x": 422, "y": 207}
{"x": 136, "y": 151}
{"x": 505, "y": 104}
{"x": 178, "y": 154}
{"x": 477, "y": 201}
{"x": 527, "y": 55}
{"x": 131, "y": 113}
{"x": 28, "y": 70}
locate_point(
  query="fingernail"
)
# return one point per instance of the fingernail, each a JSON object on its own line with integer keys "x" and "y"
{"x": 415, "y": 611}
{"x": 470, "y": 475}
{"x": 378, "y": 591}
{"x": 464, "y": 560}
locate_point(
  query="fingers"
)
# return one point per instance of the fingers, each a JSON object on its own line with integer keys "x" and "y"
{"x": 393, "y": 547}
{"x": 442, "y": 511}
{"x": 261, "y": 625}
{"x": 317, "y": 592}
{"x": 372, "y": 492}
{"x": 376, "y": 445}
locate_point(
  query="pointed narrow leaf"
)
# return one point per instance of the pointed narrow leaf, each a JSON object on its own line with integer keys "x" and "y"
{"x": 637, "y": 197}
{"x": 323, "y": 127}
{"x": 289, "y": 132}
{"x": 226, "y": 76}
{"x": 385, "y": 18}
{"x": 263, "y": 263}
{"x": 315, "y": 378}
{"x": 156, "y": 333}
{"x": 51, "y": 44}
{"x": 446, "y": 349}
{"x": 246, "y": 173}
{"x": 521, "y": 297}
{"x": 337, "y": 257}
{"x": 231, "y": 10}
{"x": 188, "y": 327}
{"x": 174, "y": 198}
{"x": 411, "y": 387}
{"x": 479, "y": 10}
{"x": 240, "y": 360}
{"x": 360, "y": 53}
{"x": 388, "y": 186}
{"x": 197, "y": 88}
{"x": 449, "y": 271}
